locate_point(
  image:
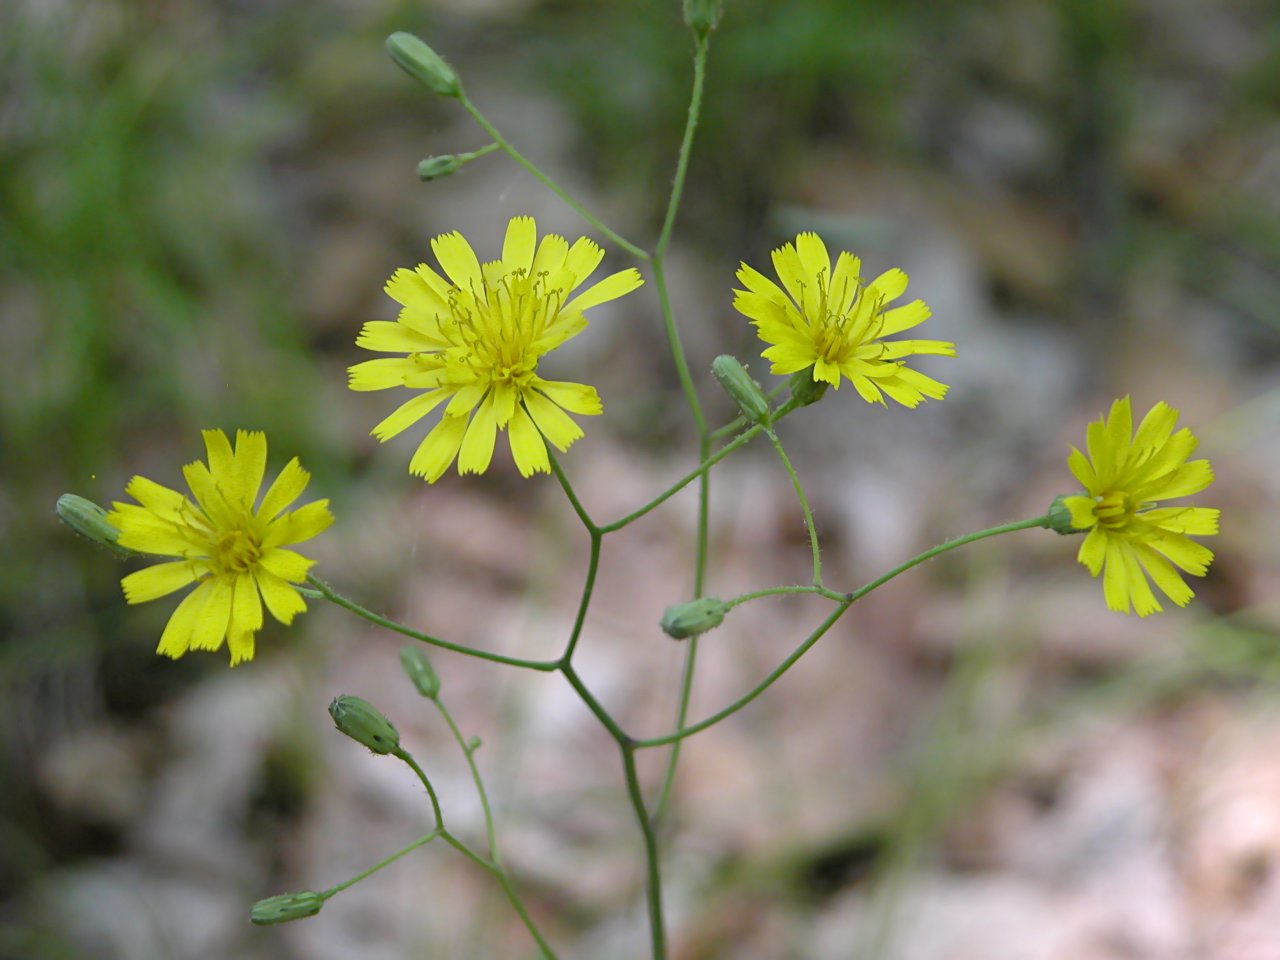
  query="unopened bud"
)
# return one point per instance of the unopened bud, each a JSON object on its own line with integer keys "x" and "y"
{"x": 435, "y": 168}
{"x": 701, "y": 16}
{"x": 420, "y": 672}
{"x": 737, "y": 383}
{"x": 1060, "y": 517}
{"x": 804, "y": 389}
{"x": 423, "y": 64}
{"x": 694, "y": 617}
{"x": 89, "y": 520}
{"x": 362, "y": 723}
{"x": 286, "y": 907}
{"x": 474, "y": 744}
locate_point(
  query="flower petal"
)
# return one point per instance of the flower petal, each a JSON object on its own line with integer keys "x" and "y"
{"x": 555, "y": 424}
{"x": 409, "y": 413}
{"x": 610, "y": 288}
{"x": 282, "y": 600}
{"x": 176, "y": 639}
{"x": 286, "y": 564}
{"x": 438, "y": 448}
{"x": 285, "y": 489}
{"x": 528, "y": 449}
{"x": 574, "y": 397}
{"x": 458, "y": 260}
{"x": 477, "y": 444}
{"x": 211, "y": 620}
{"x": 518, "y": 245}
{"x": 157, "y": 581}
{"x": 1093, "y": 550}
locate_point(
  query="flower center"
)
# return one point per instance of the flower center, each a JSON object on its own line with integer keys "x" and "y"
{"x": 1114, "y": 509}
{"x": 237, "y": 551}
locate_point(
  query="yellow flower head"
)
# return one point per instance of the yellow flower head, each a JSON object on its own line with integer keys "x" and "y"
{"x": 1124, "y": 475}
{"x": 231, "y": 550}
{"x": 475, "y": 340}
{"x": 833, "y": 322}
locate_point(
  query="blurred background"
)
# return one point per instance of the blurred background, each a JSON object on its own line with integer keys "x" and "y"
{"x": 199, "y": 204}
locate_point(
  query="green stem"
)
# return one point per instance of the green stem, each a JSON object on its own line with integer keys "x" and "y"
{"x": 490, "y": 832}
{"x": 513, "y": 896}
{"x": 546, "y": 181}
{"x": 684, "y": 481}
{"x": 588, "y": 587}
{"x": 700, "y": 421}
{"x": 594, "y": 705}
{"x": 814, "y": 549}
{"x": 653, "y": 866}
{"x": 780, "y": 591}
{"x": 686, "y": 145}
{"x": 578, "y": 508}
{"x": 420, "y": 842}
{"x": 848, "y": 600}
{"x": 333, "y": 596}
{"x": 431, "y": 792}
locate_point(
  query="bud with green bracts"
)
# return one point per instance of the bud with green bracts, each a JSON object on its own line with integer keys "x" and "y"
{"x": 693, "y": 618}
{"x": 702, "y": 16}
{"x": 737, "y": 383}
{"x": 362, "y": 723}
{"x": 804, "y": 389}
{"x": 435, "y": 168}
{"x": 1060, "y": 517}
{"x": 286, "y": 907}
{"x": 423, "y": 64}
{"x": 419, "y": 670}
{"x": 89, "y": 520}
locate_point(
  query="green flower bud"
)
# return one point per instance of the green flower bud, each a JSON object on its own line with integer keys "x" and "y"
{"x": 423, "y": 64}
{"x": 435, "y": 168}
{"x": 804, "y": 389}
{"x": 737, "y": 383}
{"x": 693, "y": 618}
{"x": 89, "y": 520}
{"x": 1060, "y": 517}
{"x": 419, "y": 670}
{"x": 701, "y": 16}
{"x": 362, "y": 723}
{"x": 474, "y": 744}
{"x": 286, "y": 907}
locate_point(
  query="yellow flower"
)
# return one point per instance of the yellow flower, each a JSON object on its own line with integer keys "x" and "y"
{"x": 231, "y": 550}
{"x": 1124, "y": 475}
{"x": 475, "y": 340}
{"x": 833, "y": 322}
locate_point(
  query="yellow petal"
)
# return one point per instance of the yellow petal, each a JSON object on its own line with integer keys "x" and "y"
{"x": 381, "y": 373}
{"x": 298, "y": 526}
{"x": 246, "y": 607}
{"x": 1080, "y": 467}
{"x": 477, "y": 444}
{"x": 1093, "y": 550}
{"x": 583, "y": 258}
{"x": 889, "y": 286}
{"x": 1082, "y": 513}
{"x": 527, "y": 447}
{"x": 551, "y": 254}
{"x": 1144, "y": 600}
{"x": 759, "y": 284}
{"x": 213, "y": 616}
{"x": 156, "y": 498}
{"x": 1164, "y": 575}
{"x": 610, "y": 288}
{"x": 386, "y": 336}
{"x": 438, "y": 449}
{"x": 845, "y": 282}
{"x": 241, "y": 646}
{"x": 517, "y": 246}
{"x": 250, "y": 466}
{"x": 574, "y": 397}
{"x": 157, "y": 581}
{"x": 176, "y": 639}
{"x": 409, "y": 413}
{"x": 814, "y": 259}
{"x": 286, "y": 564}
{"x": 1115, "y": 578}
{"x": 554, "y": 423}
{"x": 283, "y": 601}
{"x": 904, "y": 317}
{"x": 285, "y": 489}
{"x": 458, "y": 260}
